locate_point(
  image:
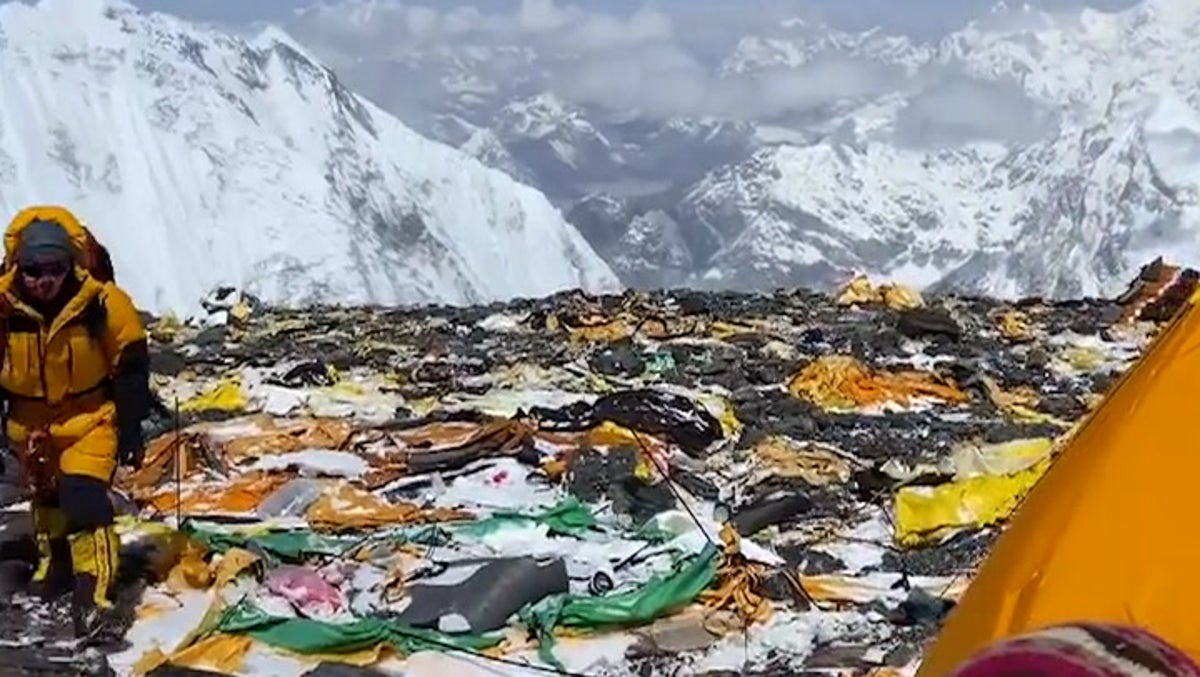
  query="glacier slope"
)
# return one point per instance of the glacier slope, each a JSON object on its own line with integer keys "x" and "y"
{"x": 203, "y": 159}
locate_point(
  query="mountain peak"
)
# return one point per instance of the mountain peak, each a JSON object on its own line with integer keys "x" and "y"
{"x": 272, "y": 35}
{"x": 182, "y": 145}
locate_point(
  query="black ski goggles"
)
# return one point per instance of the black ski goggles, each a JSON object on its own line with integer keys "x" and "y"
{"x": 45, "y": 269}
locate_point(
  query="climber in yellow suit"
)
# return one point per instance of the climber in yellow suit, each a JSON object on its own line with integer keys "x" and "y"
{"x": 75, "y": 381}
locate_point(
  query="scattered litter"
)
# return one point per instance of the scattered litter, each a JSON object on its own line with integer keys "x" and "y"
{"x": 644, "y": 483}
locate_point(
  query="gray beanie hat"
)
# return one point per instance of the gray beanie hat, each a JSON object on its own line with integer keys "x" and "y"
{"x": 44, "y": 241}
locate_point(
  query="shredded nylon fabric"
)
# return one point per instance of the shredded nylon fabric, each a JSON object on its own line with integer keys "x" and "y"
{"x": 738, "y": 582}
{"x": 842, "y": 382}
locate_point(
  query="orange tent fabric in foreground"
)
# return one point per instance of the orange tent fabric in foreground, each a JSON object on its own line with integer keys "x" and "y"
{"x": 1108, "y": 534}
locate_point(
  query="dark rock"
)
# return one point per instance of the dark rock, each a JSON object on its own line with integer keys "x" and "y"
{"x": 211, "y": 337}
{"x": 811, "y": 562}
{"x": 927, "y": 322}
{"x": 620, "y": 359}
{"x": 167, "y": 361}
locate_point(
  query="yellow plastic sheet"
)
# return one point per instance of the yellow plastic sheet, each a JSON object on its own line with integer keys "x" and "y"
{"x": 928, "y": 514}
{"x": 227, "y": 395}
{"x": 1014, "y": 325}
{"x": 861, "y": 291}
{"x": 973, "y": 460}
{"x": 191, "y": 572}
{"x": 842, "y": 382}
{"x": 220, "y": 652}
{"x": 1106, "y": 535}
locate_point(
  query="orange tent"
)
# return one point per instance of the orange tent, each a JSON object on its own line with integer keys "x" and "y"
{"x": 1108, "y": 534}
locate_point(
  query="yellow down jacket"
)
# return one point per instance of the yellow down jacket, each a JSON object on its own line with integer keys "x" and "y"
{"x": 82, "y": 376}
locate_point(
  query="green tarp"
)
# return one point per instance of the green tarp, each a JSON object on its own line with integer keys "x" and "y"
{"x": 653, "y": 599}
{"x": 296, "y": 545}
{"x": 568, "y": 518}
{"x": 307, "y": 636}
{"x": 649, "y": 601}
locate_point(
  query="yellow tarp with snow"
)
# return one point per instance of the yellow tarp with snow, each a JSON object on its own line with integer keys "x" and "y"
{"x": 1104, "y": 535}
{"x": 925, "y": 515}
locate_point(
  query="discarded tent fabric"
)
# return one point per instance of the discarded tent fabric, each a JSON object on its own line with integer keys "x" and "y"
{"x": 346, "y": 507}
{"x": 294, "y": 545}
{"x": 929, "y": 514}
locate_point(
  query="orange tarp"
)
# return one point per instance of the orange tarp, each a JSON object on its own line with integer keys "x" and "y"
{"x": 1104, "y": 535}
{"x": 843, "y": 382}
{"x": 348, "y": 508}
{"x": 236, "y": 496}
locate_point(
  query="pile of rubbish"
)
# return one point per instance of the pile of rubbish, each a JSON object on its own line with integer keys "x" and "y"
{"x": 650, "y": 484}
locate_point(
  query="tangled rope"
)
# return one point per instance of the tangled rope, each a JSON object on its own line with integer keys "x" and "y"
{"x": 738, "y": 583}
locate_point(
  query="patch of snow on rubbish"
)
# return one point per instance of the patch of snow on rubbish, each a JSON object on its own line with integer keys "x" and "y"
{"x": 313, "y": 462}
{"x": 587, "y": 656}
{"x": 862, "y": 546}
{"x": 793, "y": 635}
{"x": 506, "y": 403}
{"x": 174, "y": 616}
{"x": 360, "y": 404}
{"x": 277, "y": 400}
{"x": 500, "y": 484}
{"x": 502, "y": 322}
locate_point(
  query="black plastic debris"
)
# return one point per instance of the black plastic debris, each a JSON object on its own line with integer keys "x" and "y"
{"x": 312, "y": 373}
{"x": 772, "y": 509}
{"x": 681, "y": 420}
{"x": 485, "y": 600}
{"x": 920, "y": 608}
{"x": 597, "y": 476}
{"x": 621, "y": 359}
{"x": 167, "y": 361}
{"x": 926, "y": 322}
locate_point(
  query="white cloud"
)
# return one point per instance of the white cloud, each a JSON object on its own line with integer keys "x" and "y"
{"x": 660, "y": 58}
{"x": 955, "y": 108}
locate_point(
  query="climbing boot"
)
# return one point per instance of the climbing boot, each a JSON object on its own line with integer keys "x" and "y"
{"x": 52, "y": 577}
{"x": 94, "y": 558}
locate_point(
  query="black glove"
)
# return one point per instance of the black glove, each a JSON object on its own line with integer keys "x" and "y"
{"x": 130, "y": 447}
{"x": 131, "y": 395}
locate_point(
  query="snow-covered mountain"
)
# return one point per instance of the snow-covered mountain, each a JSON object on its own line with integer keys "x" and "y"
{"x": 202, "y": 159}
{"x": 1099, "y": 170}
{"x": 1027, "y": 153}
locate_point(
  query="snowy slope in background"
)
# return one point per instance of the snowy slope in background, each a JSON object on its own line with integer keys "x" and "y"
{"x": 1097, "y": 170}
{"x": 200, "y": 159}
{"x": 1027, "y": 153}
